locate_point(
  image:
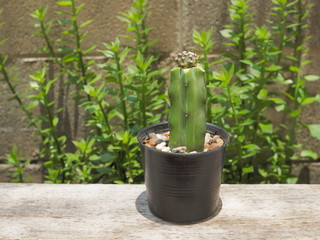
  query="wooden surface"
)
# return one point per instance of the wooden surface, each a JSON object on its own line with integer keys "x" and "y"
{"x": 39, "y": 211}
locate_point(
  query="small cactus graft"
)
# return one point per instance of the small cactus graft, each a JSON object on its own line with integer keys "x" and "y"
{"x": 187, "y": 92}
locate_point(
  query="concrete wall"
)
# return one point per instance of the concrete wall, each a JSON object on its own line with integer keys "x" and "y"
{"x": 172, "y": 20}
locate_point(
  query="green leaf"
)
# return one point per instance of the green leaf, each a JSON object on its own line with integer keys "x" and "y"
{"x": 248, "y": 62}
{"x": 114, "y": 46}
{"x": 123, "y": 55}
{"x": 255, "y": 72}
{"x": 299, "y": 83}
{"x": 48, "y": 85}
{"x": 277, "y": 100}
{"x": 63, "y": 13}
{"x": 294, "y": 69}
{"x": 118, "y": 182}
{"x": 226, "y": 33}
{"x": 288, "y": 95}
{"x": 230, "y": 72}
{"x": 262, "y": 93}
{"x": 274, "y": 53}
{"x": 32, "y": 105}
{"x": 247, "y": 122}
{"x": 79, "y": 8}
{"x": 34, "y": 85}
{"x": 106, "y": 157}
{"x": 263, "y": 172}
{"x": 105, "y": 170}
{"x": 273, "y": 68}
{"x": 226, "y": 75}
{"x": 309, "y": 154}
{"x": 252, "y": 147}
{"x": 309, "y": 100}
{"x": 314, "y": 130}
{"x": 247, "y": 170}
{"x": 280, "y": 107}
{"x": 242, "y": 112}
{"x": 306, "y": 62}
{"x": 55, "y": 121}
{"x": 80, "y": 144}
{"x": 123, "y": 19}
{"x": 107, "y": 53}
{"x": 197, "y": 37}
{"x": 292, "y": 58}
{"x": 89, "y": 49}
{"x": 311, "y": 77}
{"x": 111, "y": 79}
{"x": 3, "y": 41}
{"x": 64, "y": 21}
{"x": 295, "y": 113}
{"x": 85, "y": 23}
{"x": 292, "y": 180}
{"x": 140, "y": 61}
{"x": 266, "y": 128}
{"x": 132, "y": 99}
{"x": 64, "y": 3}
{"x": 90, "y": 91}
{"x": 218, "y": 109}
{"x": 66, "y": 50}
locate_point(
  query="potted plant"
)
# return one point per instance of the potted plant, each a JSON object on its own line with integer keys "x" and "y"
{"x": 182, "y": 169}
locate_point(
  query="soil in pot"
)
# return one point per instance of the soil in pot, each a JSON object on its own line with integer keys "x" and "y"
{"x": 160, "y": 141}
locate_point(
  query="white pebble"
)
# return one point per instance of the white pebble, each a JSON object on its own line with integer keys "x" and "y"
{"x": 207, "y": 137}
{"x": 166, "y": 149}
{"x": 193, "y": 152}
{"x": 163, "y": 138}
{"x": 160, "y": 146}
{"x": 220, "y": 142}
{"x": 181, "y": 149}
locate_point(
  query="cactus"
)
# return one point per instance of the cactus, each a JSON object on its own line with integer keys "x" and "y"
{"x": 187, "y": 92}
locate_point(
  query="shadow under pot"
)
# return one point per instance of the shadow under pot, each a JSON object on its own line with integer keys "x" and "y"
{"x": 182, "y": 188}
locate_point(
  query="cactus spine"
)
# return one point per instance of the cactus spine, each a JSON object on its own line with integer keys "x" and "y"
{"x": 187, "y": 92}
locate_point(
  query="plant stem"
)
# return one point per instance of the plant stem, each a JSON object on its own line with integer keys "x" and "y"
{"x": 209, "y": 95}
{"x": 143, "y": 99}
{"x": 106, "y": 119}
{"x": 49, "y": 45}
{"x": 78, "y": 44}
{"x": 298, "y": 55}
{"x": 238, "y": 144}
{"x": 242, "y": 42}
{"x": 299, "y": 37}
{"x": 81, "y": 63}
{"x": 17, "y": 97}
{"x": 54, "y": 133}
{"x": 234, "y": 113}
{"x": 122, "y": 93}
{"x": 282, "y": 30}
{"x": 262, "y": 82}
{"x": 141, "y": 34}
{"x": 20, "y": 170}
{"x": 281, "y": 43}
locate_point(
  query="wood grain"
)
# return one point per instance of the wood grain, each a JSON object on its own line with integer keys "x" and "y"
{"x": 40, "y": 211}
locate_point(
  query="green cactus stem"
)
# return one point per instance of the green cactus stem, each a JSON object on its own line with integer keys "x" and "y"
{"x": 187, "y": 92}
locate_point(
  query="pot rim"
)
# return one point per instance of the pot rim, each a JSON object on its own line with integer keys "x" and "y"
{"x": 226, "y": 141}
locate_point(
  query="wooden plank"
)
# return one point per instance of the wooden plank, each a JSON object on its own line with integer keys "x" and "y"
{"x": 40, "y": 211}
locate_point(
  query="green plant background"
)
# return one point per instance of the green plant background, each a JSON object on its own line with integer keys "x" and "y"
{"x": 128, "y": 91}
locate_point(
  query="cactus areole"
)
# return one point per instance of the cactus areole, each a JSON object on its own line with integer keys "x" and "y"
{"x": 187, "y": 92}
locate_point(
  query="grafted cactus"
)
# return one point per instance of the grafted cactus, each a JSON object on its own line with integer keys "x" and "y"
{"x": 187, "y": 92}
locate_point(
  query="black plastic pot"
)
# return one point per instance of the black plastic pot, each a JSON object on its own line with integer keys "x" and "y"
{"x": 182, "y": 188}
